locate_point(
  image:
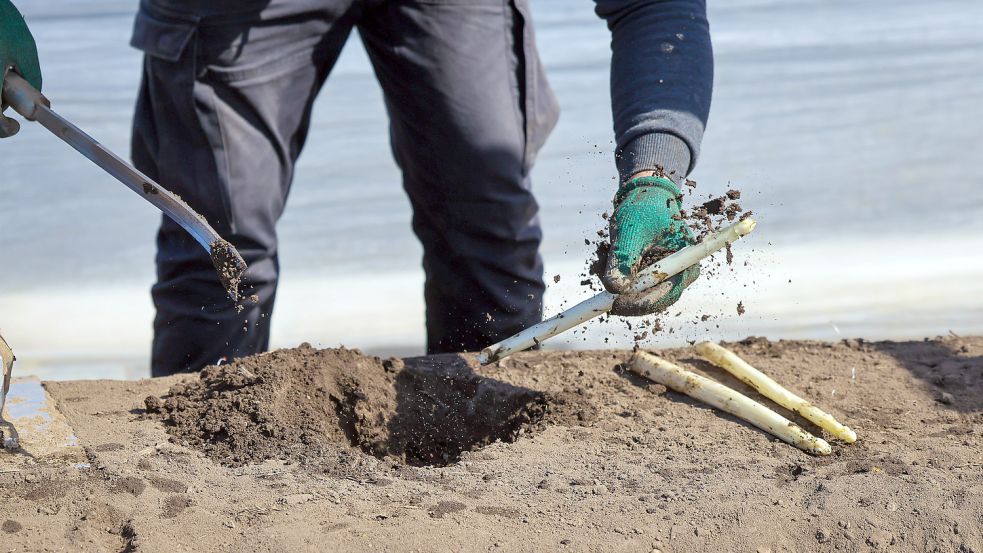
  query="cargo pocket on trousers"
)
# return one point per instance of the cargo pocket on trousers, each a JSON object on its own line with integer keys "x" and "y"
{"x": 160, "y": 36}
{"x": 184, "y": 146}
{"x": 541, "y": 109}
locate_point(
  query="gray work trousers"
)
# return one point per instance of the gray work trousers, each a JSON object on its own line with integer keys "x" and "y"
{"x": 223, "y": 113}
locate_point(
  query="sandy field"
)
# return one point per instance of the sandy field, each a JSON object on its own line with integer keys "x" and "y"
{"x": 307, "y": 450}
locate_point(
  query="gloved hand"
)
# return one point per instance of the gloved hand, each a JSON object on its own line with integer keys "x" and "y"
{"x": 18, "y": 53}
{"x": 643, "y": 225}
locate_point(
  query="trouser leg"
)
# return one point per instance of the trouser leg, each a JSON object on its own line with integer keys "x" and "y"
{"x": 469, "y": 108}
{"x": 222, "y": 114}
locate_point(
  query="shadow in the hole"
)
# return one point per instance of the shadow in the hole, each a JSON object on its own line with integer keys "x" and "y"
{"x": 952, "y": 377}
{"x": 444, "y": 409}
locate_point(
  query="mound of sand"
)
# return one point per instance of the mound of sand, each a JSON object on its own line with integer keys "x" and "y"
{"x": 302, "y": 404}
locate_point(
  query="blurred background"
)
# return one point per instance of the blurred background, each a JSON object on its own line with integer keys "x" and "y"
{"x": 853, "y": 128}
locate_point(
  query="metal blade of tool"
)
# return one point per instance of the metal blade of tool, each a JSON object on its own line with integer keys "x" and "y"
{"x": 7, "y": 357}
{"x": 173, "y": 206}
{"x": 33, "y": 106}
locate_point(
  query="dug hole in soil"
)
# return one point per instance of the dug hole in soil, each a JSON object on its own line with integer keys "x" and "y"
{"x": 302, "y": 404}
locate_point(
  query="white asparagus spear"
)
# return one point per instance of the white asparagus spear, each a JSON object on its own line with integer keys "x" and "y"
{"x": 766, "y": 386}
{"x": 726, "y": 399}
{"x": 667, "y": 267}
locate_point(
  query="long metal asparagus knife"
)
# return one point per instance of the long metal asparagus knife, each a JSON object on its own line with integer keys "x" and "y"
{"x": 33, "y": 106}
{"x": 7, "y": 359}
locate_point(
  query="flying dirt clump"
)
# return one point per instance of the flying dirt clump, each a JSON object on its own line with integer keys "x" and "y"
{"x": 229, "y": 265}
{"x": 307, "y": 405}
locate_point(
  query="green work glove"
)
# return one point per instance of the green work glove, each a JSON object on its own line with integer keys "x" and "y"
{"x": 646, "y": 224}
{"x": 17, "y": 53}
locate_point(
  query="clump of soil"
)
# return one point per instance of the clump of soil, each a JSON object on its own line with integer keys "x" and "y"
{"x": 305, "y": 404}
{"x": 229, "y": 265}
{"x": 598, "y": 264}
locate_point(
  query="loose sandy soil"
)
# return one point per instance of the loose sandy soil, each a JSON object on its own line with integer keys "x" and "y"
{"x": 593, "y": 459}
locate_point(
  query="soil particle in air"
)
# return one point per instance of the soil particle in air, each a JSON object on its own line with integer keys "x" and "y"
{"x": 715, "y": 206}
{"x": 309, "y": 406}
{"x": 710, "y": 216}
{"x": 11, "y": 526}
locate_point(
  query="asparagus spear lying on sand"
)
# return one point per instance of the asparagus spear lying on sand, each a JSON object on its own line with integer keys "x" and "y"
{"x": 728, "y": 400}
{"x": 730, "y": 362}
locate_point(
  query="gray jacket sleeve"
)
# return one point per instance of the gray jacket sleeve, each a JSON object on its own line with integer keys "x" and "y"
{"x": 661, "y": 82}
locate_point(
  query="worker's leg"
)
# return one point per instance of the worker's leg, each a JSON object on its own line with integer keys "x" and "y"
{"x": 222, "y": 114}
{"x": 469, "y": 108}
